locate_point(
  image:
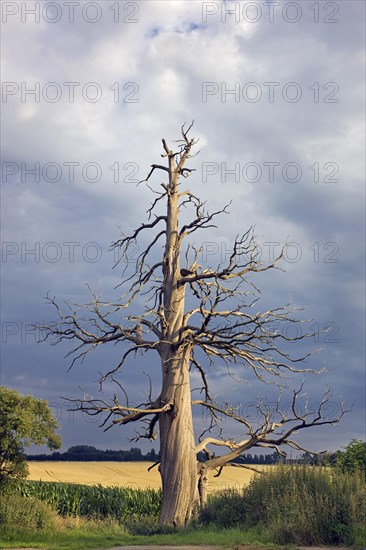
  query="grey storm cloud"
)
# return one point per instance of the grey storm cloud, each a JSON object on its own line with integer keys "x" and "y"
{"x": 278, "y": 107}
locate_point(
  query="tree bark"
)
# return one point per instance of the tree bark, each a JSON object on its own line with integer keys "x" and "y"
{"x": 202, "y": 485}
{"x": 178, "y": 467}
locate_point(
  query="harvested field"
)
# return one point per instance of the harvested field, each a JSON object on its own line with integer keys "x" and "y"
{"x": 125, "y": 474}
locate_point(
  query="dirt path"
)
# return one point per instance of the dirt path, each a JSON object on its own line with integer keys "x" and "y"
{"x": 237, "y": 547}
{"x": 241, "y": 547}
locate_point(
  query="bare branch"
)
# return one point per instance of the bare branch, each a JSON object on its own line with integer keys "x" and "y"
{"x": 222, "y": 331}
{"x": 121, "y": 414}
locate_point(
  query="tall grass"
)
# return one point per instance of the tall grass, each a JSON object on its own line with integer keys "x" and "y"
{"x": 29, "y": 514}
{"x": 123, "y": 503}
{"x": 288, "y": 505}
{"x": 297, "y": 505}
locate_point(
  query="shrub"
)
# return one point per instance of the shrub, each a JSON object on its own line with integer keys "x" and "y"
{"x": 226, "y": 508}
{"x": 297, "y": 505}
{"x": 141, "y": 525}
{"x": 353, "y": 458}
{"x": 30, "y": 514}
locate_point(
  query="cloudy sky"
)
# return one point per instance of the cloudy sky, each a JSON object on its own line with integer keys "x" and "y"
{"x": 276, "y": 91}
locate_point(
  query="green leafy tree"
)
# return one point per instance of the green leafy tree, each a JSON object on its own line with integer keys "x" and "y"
{"x": 24, "y": 420}
{"x": 353, "y": 457}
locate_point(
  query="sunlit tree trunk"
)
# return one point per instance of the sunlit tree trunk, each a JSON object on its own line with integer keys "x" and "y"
{"x": 178, "y": 458}
{"x": 178, "y": 466}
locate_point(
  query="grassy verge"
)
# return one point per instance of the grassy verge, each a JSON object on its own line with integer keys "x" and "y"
{"x": 290, "y": 505}
{"x": 74, "y": 534}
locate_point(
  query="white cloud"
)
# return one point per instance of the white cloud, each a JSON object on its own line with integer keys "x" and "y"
{"x": 163, "y": 61}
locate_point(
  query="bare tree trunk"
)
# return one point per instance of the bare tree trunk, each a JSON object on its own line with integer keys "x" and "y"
{"x": 202, "y": 485}
{"x": 178, "y": 466}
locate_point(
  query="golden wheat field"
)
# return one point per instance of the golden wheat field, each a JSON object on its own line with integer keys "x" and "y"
{"x": 125, "y": 474}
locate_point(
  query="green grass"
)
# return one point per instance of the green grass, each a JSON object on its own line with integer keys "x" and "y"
{"x": 106, "y": 534}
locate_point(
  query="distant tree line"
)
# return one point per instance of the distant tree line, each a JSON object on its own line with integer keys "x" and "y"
{"x": 88, "y": 453}
{"x": 268, "y": 459}
{"x": 350, "y": 458}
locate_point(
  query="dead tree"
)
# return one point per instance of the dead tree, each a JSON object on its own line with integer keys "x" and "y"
{"x": 220, "y": 330}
